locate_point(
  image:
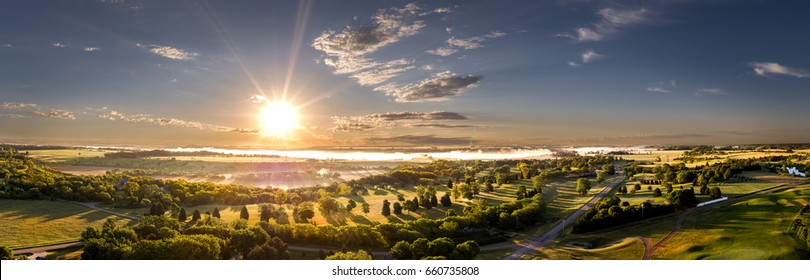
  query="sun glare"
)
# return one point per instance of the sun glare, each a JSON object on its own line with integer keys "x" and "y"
{"x": 279, "y": 119}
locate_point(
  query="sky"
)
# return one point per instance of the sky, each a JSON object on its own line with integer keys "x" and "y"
{"x": 403, "y": 73}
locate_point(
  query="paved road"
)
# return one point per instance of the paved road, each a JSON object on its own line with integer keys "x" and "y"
{"x": 92, "y": 205}
{"x": 534, "y": 243}
{"x": 42, "y": 249}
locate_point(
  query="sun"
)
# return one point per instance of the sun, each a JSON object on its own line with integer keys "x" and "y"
{"x": 279, "y": 119}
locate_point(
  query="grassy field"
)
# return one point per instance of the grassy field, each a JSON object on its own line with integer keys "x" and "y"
{"x": 627, "y": 249}
{"x": 64, "y": 154}
{"x": 564, "y": 198}
{"x": 29, "y": 223}
{"x": 749, "y": 230}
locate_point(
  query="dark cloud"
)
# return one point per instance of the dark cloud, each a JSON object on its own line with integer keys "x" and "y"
{"x": 422, "y": 140}
{"x": 438, "y": 88}
{"x": 441, "y": 125}
{"x": 387, "y": 120}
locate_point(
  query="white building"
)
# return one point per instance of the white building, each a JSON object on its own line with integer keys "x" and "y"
{"x": 795, "y": 171}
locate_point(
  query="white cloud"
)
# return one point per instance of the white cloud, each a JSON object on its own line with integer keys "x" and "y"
{"x": 170, "y": 52}
{"x": 589, "y": 55}
{"x": 258, "y": 98}
{"x": 91, "y": 49}
{"x": 58, "y": 45}
{"x": 56, "y": 113}
{"x": 11, "y": 116}
{"x": 14, "y": 105}
{"x": 7, "y": 46}
{"x": 610, "y": 22}
{"x": 347, "y": 49}
{"x": 767, "y": 68}
{"x": 710, "y": 91}
{"x": 438, "y": 88}
{"x": 144, "y": 118}
{"x": 657, "y": 89}
{"x": 573, "y": 64}
{"x": 456, "y": 44}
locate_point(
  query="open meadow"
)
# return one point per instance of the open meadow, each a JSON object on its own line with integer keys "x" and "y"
{"x": 30, "y": 223}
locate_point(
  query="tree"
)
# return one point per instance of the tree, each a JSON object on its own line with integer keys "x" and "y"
{"x": 583, "y": 186}
{"x": 682, "y": 199}
{"x": 450, "y": 213}
{"x": 366, "y": 208}
{"x": 328, "y": 205}
{"x": 350, "y": 205}
{"x": 441, "y": 246}
{"x": 601, "y": 176}
{"x": 433, "y": 200}
{"x": 466, "y": 251}
{"x": 521, "y": 192}
{"x": 715, "y": 193}
{"x": 6, "y": 253}
{"x": 306, "y": 214}
{"x": 668, "y": 185}
{"x": 196, "y": 215}
{"x": 397, "y": 208}
{"x": 360, "y": 255}
{"x": 215, "y": 214}
{"x": 446, "y": 200}
{"x": 272, "y": 249}
{"x": 386, "y": 208}
{"x": 609, "y": 168}
{"x": 410, "y": 206}
{"x": 637, "y": 186}
{"x": 182, "y": 216}
{"x": 402, "y": 251}
{"x": 449, "y": 184}
{"x": 657, "y": 192}
{"x": 265, "y": 213}
{"x": 244, "y": 215}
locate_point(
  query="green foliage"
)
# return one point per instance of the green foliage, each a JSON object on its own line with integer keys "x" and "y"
{"x": 715, "y": 193}
{"x": 402, "y": 251}
{"x": 328, "y": 205}
{"x": 607, "y": 213}
{"x": 583, "y": 186}
{"x": 6, "y": 253}
{"x": 445, "y": 200}
{"x": 386, "y": 208}
{"x": 244, "y": 214}
{"x": 397, "y": 208}
{"x": 182, "y": 216}
{"x": 682, "y": 199}
{"x": 359, "y": 255}
{"x": 273, "y": 249}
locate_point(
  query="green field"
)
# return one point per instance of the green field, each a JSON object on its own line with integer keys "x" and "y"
{"x": 753, "y": 229}
{"x": 64, "y": 154}
{"x": 30, "y": 223}
{"x": 749, "y": 229}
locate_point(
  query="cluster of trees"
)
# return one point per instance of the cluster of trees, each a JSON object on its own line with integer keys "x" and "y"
{"x": 611, "y": 211}
{"x": 800, "y": 227}
{"x": 442, "y": 248}
{"x": 699, "y": 175}
{"x": 162, "y": 237}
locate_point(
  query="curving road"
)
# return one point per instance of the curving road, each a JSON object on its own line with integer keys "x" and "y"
{"x": 536, "y": 242}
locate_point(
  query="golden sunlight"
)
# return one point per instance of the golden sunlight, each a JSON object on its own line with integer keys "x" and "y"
{"x": 279, "y": 119}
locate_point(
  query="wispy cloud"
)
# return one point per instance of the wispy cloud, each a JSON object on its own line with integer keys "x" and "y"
{"x": 258, "y": 98}
{"x": 454, "y": 45}
{"x": 7, "y": 45}
{"x": 770, "y": 68}
{"x": 58, "y": 45}
{"x": 387, "y": 120}
{"x": 14, "y": 105}
{"x": 437, "y": 88}
{"x": 91, "y": 49}
{"x": 710, "y": 91}
{"x": 56, "y": 113}
{"x": 12, "y": 116}
{"x": 346, "y": 50}
{"x": 586, "y": 57}
{"x": 663, "y": 87}
{"x": 657, "y": 89}
{"x": 441, "y": 125}
{"x": 422, "y": 140}
{"x": 144, "y": 118}
{"x": 170, "y": 52}
{"x": 611, "y": 20}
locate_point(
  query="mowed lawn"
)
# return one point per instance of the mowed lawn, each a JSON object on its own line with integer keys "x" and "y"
{"x": 626, "y": 249}
{"x": 30, "y": 223}
{"x": 753, "y": 229}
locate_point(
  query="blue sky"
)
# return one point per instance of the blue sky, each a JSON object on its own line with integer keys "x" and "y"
{"x": 391, "y": 73}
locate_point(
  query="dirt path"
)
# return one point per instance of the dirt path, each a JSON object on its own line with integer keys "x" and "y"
{"x": 648, "y": 248}
{"x": 92, "y": 205}
{"x": 42, "y": 249}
